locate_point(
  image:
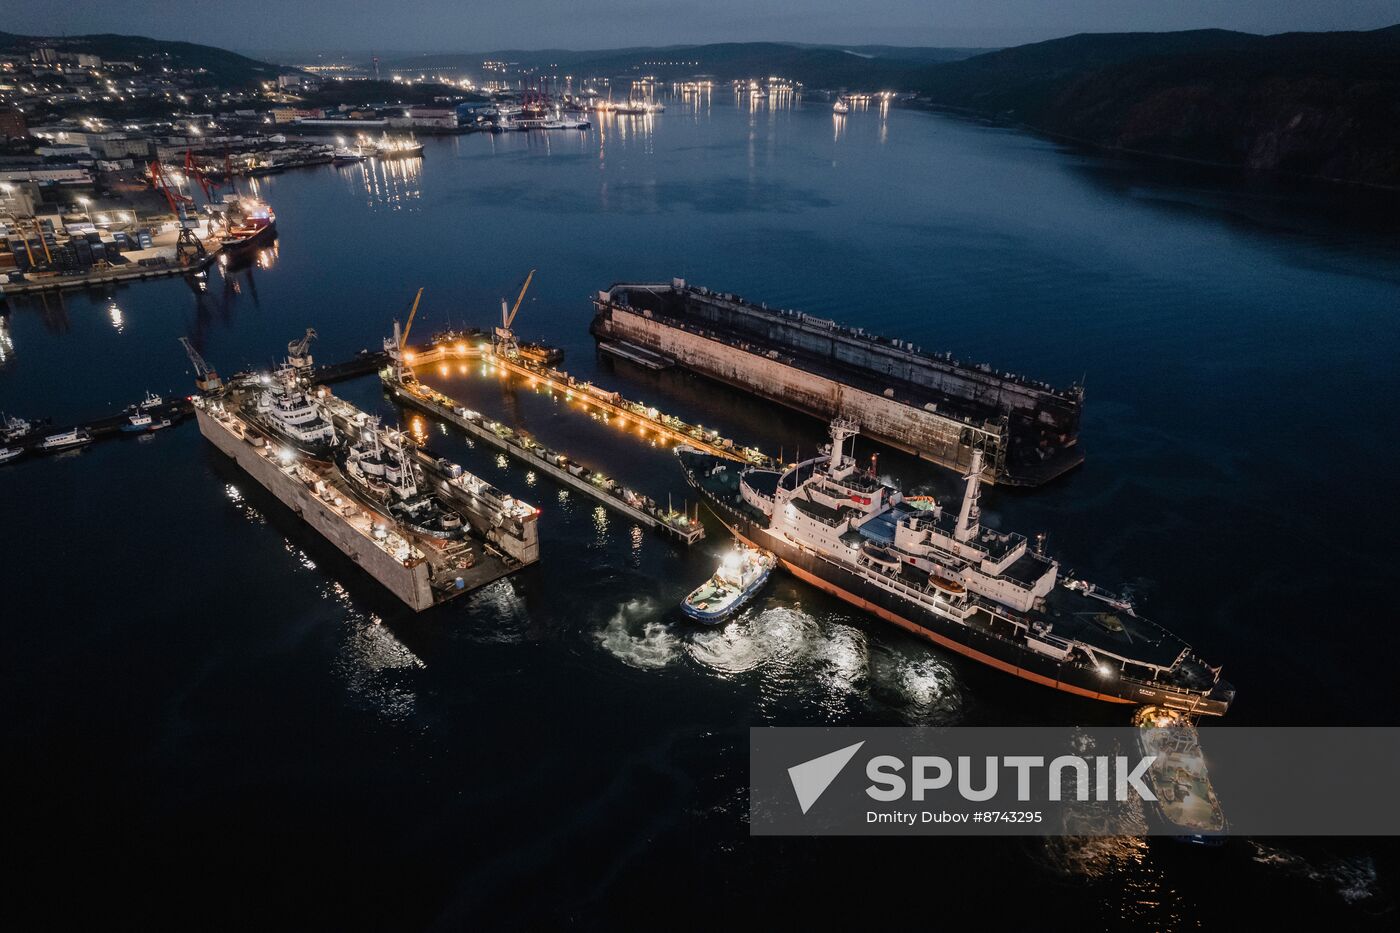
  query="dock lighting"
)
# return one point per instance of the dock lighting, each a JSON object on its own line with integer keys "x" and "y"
{"x": 461, "y": 348}
{"x": 409, "y": 356}
{"x": 1105, "y": 670}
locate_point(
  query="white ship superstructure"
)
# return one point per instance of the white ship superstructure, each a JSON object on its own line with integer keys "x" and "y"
{"x": 289, "y": 411}
{"x": 941, "y": 573}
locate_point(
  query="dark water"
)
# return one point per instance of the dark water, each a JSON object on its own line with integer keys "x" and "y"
{"x": 211, "y": 716}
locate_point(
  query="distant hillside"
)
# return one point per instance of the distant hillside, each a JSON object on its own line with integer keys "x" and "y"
{"x": 225, "y": 69}
{"x": 863, "y": 67}
{"x": 1317, "y": 104}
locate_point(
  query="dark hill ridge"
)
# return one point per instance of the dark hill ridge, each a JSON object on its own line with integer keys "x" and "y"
{"x": 1316, "y": 104}
{"x": 225, "y": 69}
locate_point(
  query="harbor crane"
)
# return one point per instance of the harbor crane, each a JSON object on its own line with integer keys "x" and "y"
{"x": 296, "y": 350}
{"x": 395, "y": 346}
{"x": 187, "y": 245}
{"x": 193, "y": 170}
{"x": 505, "y": 338}
{"x": 205, "y": 378}
{"x": 403, "y": 341}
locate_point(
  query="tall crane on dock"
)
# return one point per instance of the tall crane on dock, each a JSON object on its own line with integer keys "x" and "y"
{"x": 395, "y": 346}
{"x": 296, "y": 350}
{"x": 505, "y": 338}
{"x": 187, "y": 244}
{"x": 403, "y": 341}
{"x": 204, "y": 376}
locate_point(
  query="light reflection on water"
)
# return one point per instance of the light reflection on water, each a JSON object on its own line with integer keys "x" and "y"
{"x": 387, "y": 184}
{"x": 373, "y": 664}
{"x": 792, "y": 653}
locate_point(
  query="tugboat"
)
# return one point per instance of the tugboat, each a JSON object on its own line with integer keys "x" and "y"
{"x": 741, "y": 574}
{"x": 939, "y": 573}
{"x": 1186, "y": 801}
{"x": 288, "y": 412}
{"x": 380, "y": 471}
{"x": 65, "y": 440}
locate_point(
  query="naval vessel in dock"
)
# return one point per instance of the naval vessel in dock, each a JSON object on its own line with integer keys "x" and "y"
{"x": 930, "y": 405}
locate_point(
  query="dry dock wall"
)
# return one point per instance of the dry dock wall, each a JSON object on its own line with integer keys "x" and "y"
{"x": 915, "y": 430}
{"x": 409, "y": 583}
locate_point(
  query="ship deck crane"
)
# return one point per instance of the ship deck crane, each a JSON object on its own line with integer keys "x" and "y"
{"x": 505, "y": 337}
{"x": 204, "y": 376}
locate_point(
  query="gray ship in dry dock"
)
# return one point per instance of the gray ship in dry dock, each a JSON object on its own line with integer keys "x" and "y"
{"x": 423, "y": 564}
{"x": 930, "y": 405}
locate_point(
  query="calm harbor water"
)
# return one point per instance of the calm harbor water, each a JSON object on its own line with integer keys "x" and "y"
{"x": 207, "y": 703}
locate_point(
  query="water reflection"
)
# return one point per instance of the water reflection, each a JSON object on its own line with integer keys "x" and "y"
{"x": 115, "y": 316}
{"x": 373, "y": 663}
{"x": 387, "y": 184}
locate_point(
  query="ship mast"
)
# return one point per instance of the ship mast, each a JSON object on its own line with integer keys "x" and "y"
{"x": 969, "y": 516}
{"x": 842, "y": 429}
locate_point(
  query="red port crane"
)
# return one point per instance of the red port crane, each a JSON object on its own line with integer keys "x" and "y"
{"x": 187, "y": 245}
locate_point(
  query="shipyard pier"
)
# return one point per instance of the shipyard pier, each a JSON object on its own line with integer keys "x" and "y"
{"x": 930, "y": 405}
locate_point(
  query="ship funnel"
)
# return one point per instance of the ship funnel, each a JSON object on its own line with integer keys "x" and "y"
{"x": 969, "y": 516}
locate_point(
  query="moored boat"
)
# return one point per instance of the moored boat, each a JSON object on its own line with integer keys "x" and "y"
{"x": 77, "y": 437}
{"x": 741, "y": 574}
{"x": 10, "y": 453}
{"x": 15, "y": 427}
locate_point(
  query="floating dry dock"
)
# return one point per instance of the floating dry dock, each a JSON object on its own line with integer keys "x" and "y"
{"x": 402, "y": 386}
{"x": 927, "y": 404}
{"x": 421, "y": 571}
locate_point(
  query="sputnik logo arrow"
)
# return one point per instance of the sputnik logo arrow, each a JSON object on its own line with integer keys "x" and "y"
{"x": 811, "y": 778}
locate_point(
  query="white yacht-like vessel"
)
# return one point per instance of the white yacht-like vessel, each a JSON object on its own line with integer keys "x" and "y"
{"x": 287, "y": 411}
{"x": 77, "y": 437}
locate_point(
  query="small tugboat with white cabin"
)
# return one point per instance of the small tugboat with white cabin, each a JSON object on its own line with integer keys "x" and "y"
{"x": 741, "y": 574}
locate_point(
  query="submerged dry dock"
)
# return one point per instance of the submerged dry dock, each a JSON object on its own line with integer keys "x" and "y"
{"x": 421, "y": 571}
{"x": 405, "y": 388}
